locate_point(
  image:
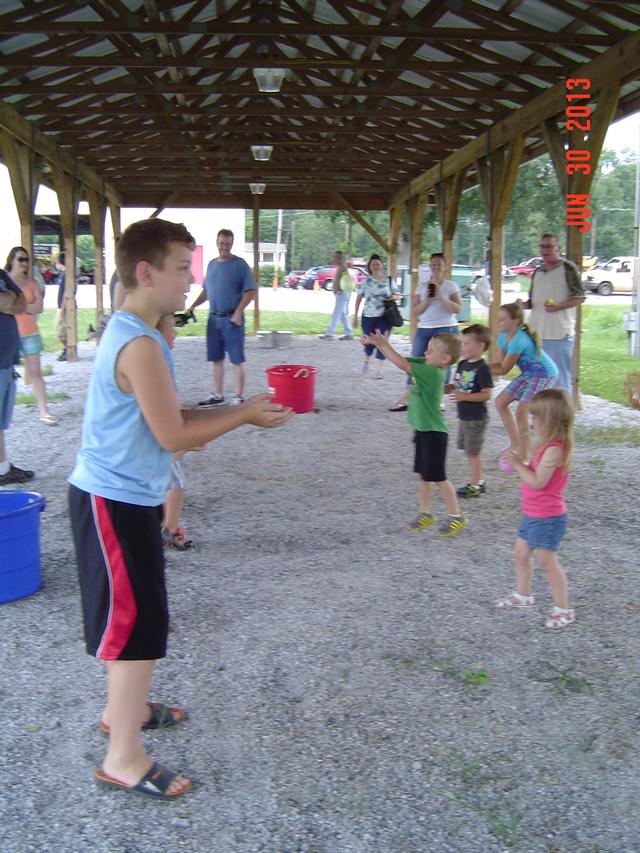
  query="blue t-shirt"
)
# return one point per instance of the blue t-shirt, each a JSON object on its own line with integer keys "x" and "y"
{"x": 119, "y": 457}
{"x": 529, "y": 361}
{"x": 9, "y": 337}
{"x": 226, "y": 282}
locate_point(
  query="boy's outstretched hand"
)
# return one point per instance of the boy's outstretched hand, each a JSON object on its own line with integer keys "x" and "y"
{"x": 262, "y": 412}
{"x": 375, "y": 338}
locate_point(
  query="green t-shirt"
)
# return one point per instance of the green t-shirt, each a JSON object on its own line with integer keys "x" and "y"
{"x": 427, "y": 387}
{"x": 346, "y": 283}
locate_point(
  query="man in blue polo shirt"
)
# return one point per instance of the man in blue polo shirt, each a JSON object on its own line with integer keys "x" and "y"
{"x": 12, "y": 302}
{"x": 229, "y": 287}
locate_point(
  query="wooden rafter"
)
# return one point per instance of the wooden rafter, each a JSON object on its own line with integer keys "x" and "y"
{"x": 158, "y": 95}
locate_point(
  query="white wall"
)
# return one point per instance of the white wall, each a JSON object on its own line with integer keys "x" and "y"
{"x": 204, "y": 224}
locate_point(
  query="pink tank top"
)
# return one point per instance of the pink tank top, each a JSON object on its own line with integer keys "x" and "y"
{"x": 547, "y": 502}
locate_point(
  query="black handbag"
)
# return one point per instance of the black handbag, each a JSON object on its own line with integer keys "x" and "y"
{"x": 392, "y": 313}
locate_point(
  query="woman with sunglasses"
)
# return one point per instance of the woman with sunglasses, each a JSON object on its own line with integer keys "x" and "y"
{"x": 30, "y": 341}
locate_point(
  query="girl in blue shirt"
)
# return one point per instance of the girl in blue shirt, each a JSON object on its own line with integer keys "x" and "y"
{"x": 519, "y": 347}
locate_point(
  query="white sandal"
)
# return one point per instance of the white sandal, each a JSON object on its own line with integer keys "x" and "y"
{"x": 514, "y": 599}
{"x": 560, "y": 618}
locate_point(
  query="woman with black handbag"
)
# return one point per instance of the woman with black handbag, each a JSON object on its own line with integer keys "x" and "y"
{"x": 376, "y": 289}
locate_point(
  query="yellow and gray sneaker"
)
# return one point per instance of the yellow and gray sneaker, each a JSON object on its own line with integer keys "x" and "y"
{"x": 453, "y": 524}
{"x": 425, "y": 519}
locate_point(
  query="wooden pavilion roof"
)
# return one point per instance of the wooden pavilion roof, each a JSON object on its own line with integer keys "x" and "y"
{"x": 159, "y": 98}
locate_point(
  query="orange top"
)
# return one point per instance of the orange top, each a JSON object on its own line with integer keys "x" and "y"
{"x": 28, "y": 323}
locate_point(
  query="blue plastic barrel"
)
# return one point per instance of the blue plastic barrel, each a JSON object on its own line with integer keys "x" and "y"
{"x": 19, "y": 544}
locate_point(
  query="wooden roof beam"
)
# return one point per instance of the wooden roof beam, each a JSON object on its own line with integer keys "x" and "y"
{"x": 28, "y": 134}
{"x": 620, "y": 62}
{"x": 124, "y": 25}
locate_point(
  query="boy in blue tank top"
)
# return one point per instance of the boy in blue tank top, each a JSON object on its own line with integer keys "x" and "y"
{"x": 132, "y": 425}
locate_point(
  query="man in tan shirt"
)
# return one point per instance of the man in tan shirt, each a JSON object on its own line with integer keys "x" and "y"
{"x": 555, "y": 293}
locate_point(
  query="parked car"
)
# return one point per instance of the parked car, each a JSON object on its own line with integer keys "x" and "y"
{"x": 294, "y": 278}
{"x": 309, "y": 277}
{"x": 616, "y": 276}
{"x": 525, "y": 267}
{"x": 326, "y": 275}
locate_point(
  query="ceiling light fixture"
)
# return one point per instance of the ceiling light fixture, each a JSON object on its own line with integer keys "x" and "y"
{"x": 269, "y": 79}
{"x": 257, "y": 189}
{"x": 261, "y": 152}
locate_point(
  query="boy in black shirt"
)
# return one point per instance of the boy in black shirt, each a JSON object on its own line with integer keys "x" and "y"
{"x": 471, "y": 391}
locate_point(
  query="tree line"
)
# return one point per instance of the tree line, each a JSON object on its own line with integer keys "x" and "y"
{"x": 536, "y": 206}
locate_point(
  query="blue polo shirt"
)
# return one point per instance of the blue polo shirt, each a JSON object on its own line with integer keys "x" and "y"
{"x": 226, "y": 282}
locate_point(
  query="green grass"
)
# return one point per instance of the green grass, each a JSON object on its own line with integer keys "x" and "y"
{"x": 604, "y": 346}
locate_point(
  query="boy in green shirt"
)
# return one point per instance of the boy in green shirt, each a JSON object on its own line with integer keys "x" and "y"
{"x": 424, "y": 415}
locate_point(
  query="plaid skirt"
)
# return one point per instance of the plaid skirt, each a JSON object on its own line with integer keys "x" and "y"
{"x": 525, "y": 386}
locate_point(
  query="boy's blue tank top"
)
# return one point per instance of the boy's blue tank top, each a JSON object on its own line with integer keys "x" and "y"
{"x": 119, "y": 458}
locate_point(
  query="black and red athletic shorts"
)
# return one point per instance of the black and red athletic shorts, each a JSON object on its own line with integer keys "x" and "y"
{"x": 121, "y": 571}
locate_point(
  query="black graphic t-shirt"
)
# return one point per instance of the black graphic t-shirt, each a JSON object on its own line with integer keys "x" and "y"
{"x": 471, "y": 377}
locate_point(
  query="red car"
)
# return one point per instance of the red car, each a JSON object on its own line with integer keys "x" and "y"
{"x": 526, "y": 267}
{"x": 326, "y": 274}
{"x": 294, "y": 278}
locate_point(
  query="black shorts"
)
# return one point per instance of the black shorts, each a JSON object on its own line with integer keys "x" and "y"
{"x": 121, "y": 572}
{"x": 431, "y": 453}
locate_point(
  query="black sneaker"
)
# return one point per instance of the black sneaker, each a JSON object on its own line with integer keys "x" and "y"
{"x": 16, "y": 475}
{"x": 176, "y": 540}
{"x": 213, "y": 400}
{"x": 63, "y": 355}
{"x": 471, "y": 491}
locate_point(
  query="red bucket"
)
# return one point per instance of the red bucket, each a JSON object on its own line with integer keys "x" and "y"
{"x": 293, "y": 385}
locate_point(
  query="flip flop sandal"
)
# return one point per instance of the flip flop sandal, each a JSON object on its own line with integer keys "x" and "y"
{"x": 49, "y": 420}
{"x": 162, "y": 717}
{"x": 155, "y": 783}
{"x": 514, "y": 599}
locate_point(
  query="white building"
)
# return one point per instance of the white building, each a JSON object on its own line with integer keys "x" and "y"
{"x": 269, "y": 253}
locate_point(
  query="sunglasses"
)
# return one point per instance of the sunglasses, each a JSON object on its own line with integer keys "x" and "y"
{"x": 22, "y": 260}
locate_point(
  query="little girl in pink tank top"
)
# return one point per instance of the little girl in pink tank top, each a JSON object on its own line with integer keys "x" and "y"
{"x": 544, "y": 521}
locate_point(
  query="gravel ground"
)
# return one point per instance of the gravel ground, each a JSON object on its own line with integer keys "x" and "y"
{"x": 329, "y": 659}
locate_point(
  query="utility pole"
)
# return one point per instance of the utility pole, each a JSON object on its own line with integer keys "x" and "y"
{"x": 292, "y": 261}
{"x": 276, "y": 254}
{"x": 634, "y": 324}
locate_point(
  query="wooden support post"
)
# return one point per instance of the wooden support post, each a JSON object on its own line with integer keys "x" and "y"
{"x": 256, "y": 262}
{"x": 98, "y": 215}
{"x": 114, "y": 212}
{"x": 577, "y": 188}
{"x": 497, "y": 175}
{"x": 66, "y": 188}
{"x": 418, "y": 212}
{"x": 395, "y": 221}
{"x": 448, "y": 195}
{"x": 361, "y": 221}
{"x": 25, "y": 172}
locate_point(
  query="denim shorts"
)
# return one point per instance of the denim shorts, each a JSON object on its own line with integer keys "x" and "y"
{"x": 545, "y": 533}
{"x": 31, "y": 344}
{"x": 225, "y": 336}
